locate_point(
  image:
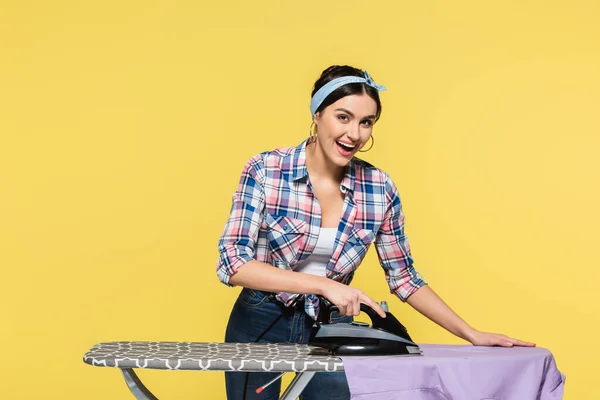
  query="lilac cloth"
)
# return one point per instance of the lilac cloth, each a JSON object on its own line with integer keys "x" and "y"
{"x": 457, "y": 372}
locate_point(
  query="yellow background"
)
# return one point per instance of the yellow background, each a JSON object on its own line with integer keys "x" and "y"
{"x": 124, "y": 127}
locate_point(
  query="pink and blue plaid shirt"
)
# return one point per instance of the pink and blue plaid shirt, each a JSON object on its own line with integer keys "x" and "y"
{"x": 275, "y": 218}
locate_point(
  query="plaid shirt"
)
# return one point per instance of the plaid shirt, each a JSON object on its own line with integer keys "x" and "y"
{"x": 275, "y": 218}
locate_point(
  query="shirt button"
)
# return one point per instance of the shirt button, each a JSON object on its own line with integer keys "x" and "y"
{"x": 286, "y": 228}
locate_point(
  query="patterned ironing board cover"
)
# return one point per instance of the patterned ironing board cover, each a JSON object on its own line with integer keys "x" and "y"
{"x": 212, "y": 356}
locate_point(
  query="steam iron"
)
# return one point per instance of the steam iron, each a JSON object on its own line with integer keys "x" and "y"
{"x": 385, "y": 336}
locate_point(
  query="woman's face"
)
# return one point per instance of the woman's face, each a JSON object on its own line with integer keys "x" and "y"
{"x": 344, "y": 127}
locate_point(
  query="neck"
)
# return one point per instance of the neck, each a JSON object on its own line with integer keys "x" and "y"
{"x": 319, "y": 166}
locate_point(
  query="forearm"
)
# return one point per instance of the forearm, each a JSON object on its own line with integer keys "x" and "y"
{"x": 257, "y": 275}
{"x": 428, "y": 303}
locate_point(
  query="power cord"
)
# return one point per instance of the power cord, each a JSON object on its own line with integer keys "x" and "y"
{"x": 271, "y": 296}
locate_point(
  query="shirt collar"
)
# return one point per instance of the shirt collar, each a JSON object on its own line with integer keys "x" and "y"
{"x": 297, "y": 164}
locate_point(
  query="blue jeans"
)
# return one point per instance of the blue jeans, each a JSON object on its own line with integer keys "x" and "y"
{"x": 252, "y": 313}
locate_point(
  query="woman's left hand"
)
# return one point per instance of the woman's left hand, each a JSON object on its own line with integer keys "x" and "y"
{"x": 479, "y": 338}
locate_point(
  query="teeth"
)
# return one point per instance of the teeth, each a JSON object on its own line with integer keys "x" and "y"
{"x": 346, "y": 146}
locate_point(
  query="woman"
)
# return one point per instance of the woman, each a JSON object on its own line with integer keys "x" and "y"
{"x": 311, "y": 212}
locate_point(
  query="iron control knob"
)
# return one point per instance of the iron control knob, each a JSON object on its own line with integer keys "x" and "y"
{"x": 358, "y": 323}
{"x": 384, "y": 306}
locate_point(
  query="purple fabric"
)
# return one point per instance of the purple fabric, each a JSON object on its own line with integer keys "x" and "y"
{"x": 457, "y": 372}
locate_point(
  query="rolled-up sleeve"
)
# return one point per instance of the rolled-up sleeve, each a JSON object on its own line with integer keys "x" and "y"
{"x": 237, "y": 242}
{"x": 393, "y": 248}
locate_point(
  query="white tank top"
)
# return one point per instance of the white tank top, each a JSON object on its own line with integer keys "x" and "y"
{"x": 316, "y": 263}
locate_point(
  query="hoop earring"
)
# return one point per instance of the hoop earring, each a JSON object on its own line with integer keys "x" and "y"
{"x": 312, "y": 135}
{"x": 372, "y": 144}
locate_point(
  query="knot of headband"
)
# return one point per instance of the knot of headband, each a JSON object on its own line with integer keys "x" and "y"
{"x": 330, "y": 86}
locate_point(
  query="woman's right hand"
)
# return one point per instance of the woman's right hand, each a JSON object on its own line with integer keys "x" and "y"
{"x": 348, "y": 299}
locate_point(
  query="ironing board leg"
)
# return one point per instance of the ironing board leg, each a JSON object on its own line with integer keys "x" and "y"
{"x": 136, "y": 386}
{"x": 297, "y": 385}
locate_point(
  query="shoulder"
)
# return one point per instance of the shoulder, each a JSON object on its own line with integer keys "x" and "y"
{"x": 376, "y": 178}
{"x": 258, "y": 162}
{"x": 270, "y": 156}
{"x": 276, "y": 156}
{"x": 366, "y": 171}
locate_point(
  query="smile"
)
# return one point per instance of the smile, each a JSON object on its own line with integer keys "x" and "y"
{"x": 346, "y": 146}
{"x": 344, "y": 149}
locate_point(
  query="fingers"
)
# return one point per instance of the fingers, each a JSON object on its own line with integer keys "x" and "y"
{"x": 505, "y": 341}
{"x": 356, "y": 307}
{"x": 348, "y": 300}
{"x": 350, "y": 306}
{"x": 374, "y": 305}
{"x": 495, "y": 339}
{"x": 347, "y": 306}
{"x": 516, "y": 342}
{"x": 509, "y": 342}
{"x": 499, "y": 340}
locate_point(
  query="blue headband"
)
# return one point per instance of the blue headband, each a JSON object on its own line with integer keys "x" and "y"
{"x": 330, "y": 86}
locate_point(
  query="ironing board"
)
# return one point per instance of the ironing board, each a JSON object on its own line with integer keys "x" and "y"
{"x": 462, "y": 371}
{"x": 210, "y": 356}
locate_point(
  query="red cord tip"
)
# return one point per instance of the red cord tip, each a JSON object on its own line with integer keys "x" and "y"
{"x": 259, "y": 390}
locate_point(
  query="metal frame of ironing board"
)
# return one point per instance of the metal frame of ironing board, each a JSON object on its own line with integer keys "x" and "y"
{"x": 142, "y": 393}
{"x": 241, "y": 357}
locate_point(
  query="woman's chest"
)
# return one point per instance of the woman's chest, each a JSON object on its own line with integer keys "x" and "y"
{"x": 299, "y": 209}
{"x": 330, "y": 203}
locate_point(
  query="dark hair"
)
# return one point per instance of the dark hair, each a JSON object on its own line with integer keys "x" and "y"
{"x": 336, "y": 71}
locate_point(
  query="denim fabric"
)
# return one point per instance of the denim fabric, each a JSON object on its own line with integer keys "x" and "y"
{"x": 252, "y": 313}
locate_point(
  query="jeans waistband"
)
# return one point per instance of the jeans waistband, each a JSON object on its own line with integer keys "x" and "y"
{"x": 299, "y": 302}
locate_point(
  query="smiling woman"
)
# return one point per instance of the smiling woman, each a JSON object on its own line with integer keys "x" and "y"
{"x": 344, "y": 110}
{"x": 301, "y": 223}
